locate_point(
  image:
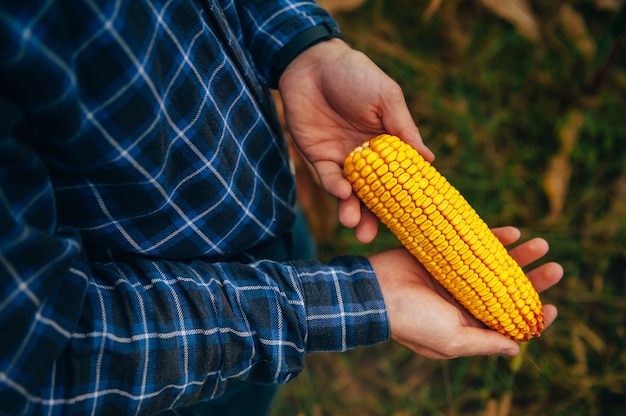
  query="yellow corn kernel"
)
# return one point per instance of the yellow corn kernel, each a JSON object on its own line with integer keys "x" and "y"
{"x": 439, "y": 227}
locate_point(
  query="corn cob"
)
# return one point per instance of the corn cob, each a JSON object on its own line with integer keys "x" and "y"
{"x": 439, "y": 227}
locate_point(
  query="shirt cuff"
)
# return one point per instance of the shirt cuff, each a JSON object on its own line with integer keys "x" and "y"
{"x": 346, "y": 312}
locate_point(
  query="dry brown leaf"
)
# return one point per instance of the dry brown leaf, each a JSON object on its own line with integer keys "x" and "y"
{"x": 580, "y": 353}
{"x": 460, "y": 40}
{"x": 338, "y": 6}
{"x": 431, "y": 9}
{"x": 575, "y": 28}
{"x": 518, "y": 13}
{"x": 556, "y": 179}
{"x": 618, "y": 205}
{"x": 591, "y": 338}
{"x": 555, "y": 184}
{"x": 568, "y": 134}
{"x": 492, "y": 408}
{"x": 389, "y": 48}
{"x": 583, "y": 336}
{"x": 609, "y": 4}
{"x": 504, "y": 407}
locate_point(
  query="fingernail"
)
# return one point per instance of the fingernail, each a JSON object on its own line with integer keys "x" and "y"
{"x": 509, "y": 351}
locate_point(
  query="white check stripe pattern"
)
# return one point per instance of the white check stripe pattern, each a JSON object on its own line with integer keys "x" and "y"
{"x": 145, "y": 209}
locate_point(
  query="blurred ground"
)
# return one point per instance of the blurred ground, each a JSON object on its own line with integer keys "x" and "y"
{"x": 524, "y": 105}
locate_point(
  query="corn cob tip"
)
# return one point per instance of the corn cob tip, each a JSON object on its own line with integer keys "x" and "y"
{"x": 439, "y": 227}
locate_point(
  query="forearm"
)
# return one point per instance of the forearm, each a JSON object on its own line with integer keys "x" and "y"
{"x": 157, "y": 334}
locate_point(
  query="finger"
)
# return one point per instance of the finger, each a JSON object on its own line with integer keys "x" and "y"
{"x": 332, "y": 179}
{"x": 530, "y": 251}
{"x": 349, "y": 211}
{"x": 412, "y": 136}
{"x": 507, "y": 235}
{"x": 546, "y": 276}
{"x": 367, "y": 228}
{"x": 480, "y": 341}
{"x": 550, "y": 314}
{"x": 397, "y": 120}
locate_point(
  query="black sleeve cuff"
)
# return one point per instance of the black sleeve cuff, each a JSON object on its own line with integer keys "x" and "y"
{"x": 302, "y": 41}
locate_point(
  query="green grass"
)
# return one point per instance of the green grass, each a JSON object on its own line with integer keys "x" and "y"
{"x": 494, "y": 106}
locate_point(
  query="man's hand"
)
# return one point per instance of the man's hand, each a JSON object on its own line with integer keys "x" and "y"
{"x": 336, "y": 98}
{"x": 425, "y": 318}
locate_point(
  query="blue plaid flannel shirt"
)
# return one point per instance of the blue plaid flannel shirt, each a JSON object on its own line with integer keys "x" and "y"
{"x": 141, "y": 174}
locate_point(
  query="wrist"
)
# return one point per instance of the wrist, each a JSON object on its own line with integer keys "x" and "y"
{"x": 300, "y": 43}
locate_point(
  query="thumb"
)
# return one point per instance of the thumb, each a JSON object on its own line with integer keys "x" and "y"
{"x": 397, "y": 120}
{"x": 332, "y": 179}
{"x": 482, "y": 341}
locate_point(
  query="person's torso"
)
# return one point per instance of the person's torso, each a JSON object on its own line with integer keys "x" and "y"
{"x": 157, "y": 135}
